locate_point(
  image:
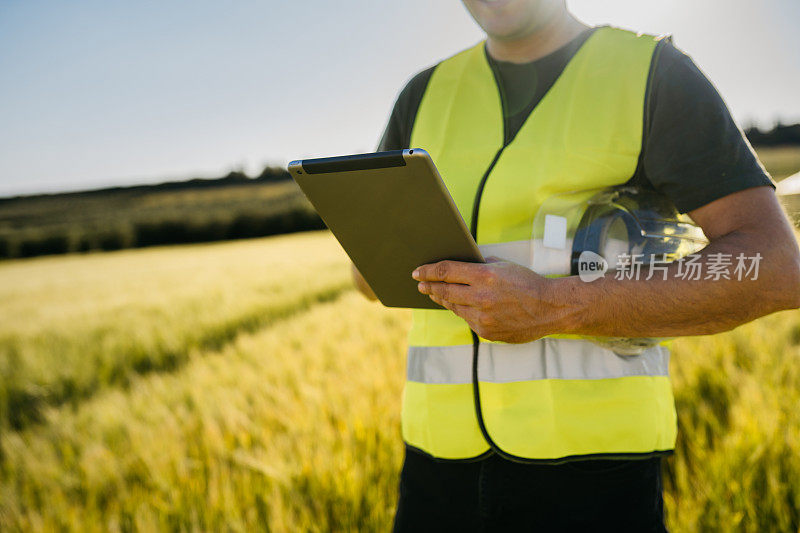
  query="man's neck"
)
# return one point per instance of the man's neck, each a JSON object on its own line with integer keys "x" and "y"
{"x": 544, "y": 40}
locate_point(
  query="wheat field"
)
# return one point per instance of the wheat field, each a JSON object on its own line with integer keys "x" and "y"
{"x": 245, "y": 386}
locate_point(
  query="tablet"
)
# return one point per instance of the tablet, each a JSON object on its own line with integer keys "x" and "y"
{"x": 391, "y": 212}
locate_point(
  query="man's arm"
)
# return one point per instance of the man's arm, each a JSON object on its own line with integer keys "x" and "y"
{"x": 507, "y": 302}
{"x": 747, "y": 222}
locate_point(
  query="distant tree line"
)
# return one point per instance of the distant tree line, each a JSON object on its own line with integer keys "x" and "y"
{"x": 234, "y": 206}
{"x": 779, "y": 135}
{"x": 141, "y": 234}
{"x": 235, "y": 177}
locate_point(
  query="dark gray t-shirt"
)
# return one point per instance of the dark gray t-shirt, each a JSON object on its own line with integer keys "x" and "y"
{"x": 692, "y": 150}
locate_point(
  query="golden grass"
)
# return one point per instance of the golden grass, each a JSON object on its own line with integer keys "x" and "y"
{"x": 294, "y": 427}
{"x": 737, "y": 463}
{"x": 70, "y": 325}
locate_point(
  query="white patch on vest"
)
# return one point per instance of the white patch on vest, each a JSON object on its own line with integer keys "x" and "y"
{"x": 555, "y": 232}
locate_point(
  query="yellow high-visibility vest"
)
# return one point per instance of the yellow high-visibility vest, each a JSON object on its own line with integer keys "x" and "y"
{"x": 560, "y": 397}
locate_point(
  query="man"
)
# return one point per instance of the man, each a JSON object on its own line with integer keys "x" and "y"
{"x": 510, "y": 421}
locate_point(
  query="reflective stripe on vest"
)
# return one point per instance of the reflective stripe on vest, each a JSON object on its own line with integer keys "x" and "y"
{"x": 541, "y": 359}
{"x": 559, "y": 397}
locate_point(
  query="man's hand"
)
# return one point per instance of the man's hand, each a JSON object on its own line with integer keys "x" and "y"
{"x": 501, "y": 301}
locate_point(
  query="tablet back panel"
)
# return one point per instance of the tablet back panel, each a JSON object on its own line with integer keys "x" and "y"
{"x": 391, "y": 212}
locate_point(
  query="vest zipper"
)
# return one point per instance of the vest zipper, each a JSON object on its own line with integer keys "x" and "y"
{"x": 476, "y": 204}
{"x": 476, "y": 393}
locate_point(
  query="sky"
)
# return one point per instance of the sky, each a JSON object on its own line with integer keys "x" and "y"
{"x": 103, "y": 93}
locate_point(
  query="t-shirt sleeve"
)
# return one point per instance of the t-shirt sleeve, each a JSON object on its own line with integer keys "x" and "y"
{"x": 397, "y": 135}
{"x": 693, "y": 150}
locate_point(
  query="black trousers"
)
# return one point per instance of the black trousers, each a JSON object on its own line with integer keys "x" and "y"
{"x": 494, "y": 494}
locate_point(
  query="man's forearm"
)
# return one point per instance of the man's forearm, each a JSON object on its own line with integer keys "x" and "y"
{"x": 676, "y": 306}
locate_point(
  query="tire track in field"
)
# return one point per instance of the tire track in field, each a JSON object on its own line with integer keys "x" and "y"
{"x": 23, "y": 404}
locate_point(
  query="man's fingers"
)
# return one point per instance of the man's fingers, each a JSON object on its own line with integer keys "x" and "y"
{"x": 452, "y": 292}
{"x": 461, "y": 310}
{"x": 443, "y": 303}
{"x": 449, "y": 271}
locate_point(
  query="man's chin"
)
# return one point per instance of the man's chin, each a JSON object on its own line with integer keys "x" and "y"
{"x": 508, "y": 33}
